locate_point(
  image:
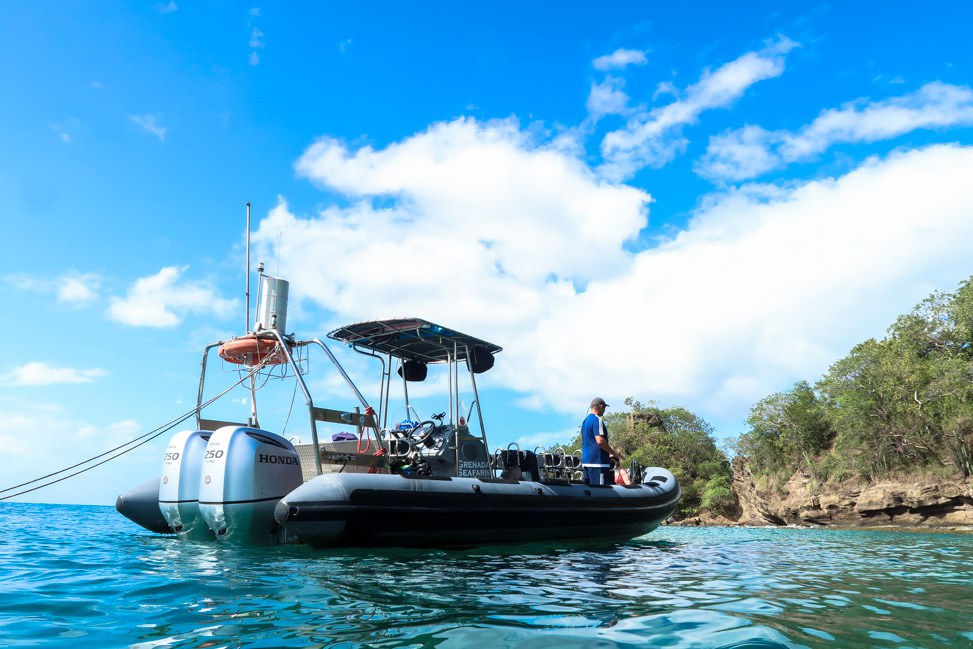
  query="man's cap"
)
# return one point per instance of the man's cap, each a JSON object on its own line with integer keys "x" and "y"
{"x": 598, "y": 401}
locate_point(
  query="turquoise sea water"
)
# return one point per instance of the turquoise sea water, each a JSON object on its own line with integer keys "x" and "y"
{"x": 85, "y": 577}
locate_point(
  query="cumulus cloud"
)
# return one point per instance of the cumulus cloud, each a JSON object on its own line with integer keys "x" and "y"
{"x": 36, "y": 373}
{"x": 740, "y": 154}
{"x": 164, "y": 299}
{"x": 149, "y": 125}
{"x": 607, "y": 98}
{"x": 474, "y": 201}
{"x": 751, "y": 151}
{"x": 654, "y": 138}
{"x": 78, "y": 289}
{"x": 619, "y": 59}
{"x": 771, "y": 284}
{"x": 480, "y": 227}
{"x": 72, "y": 287}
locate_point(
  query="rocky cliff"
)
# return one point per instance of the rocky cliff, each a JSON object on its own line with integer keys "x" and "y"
{"x": 924, "y": 502}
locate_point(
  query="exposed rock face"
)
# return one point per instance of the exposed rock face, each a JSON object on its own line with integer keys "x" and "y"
{"x": 925, "y": 503}
{"x": 756, "y": 507}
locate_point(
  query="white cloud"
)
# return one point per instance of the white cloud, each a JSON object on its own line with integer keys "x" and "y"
{"x": 739, "y": 154}
{"x": 14, "y": 446}
{"x": 480, "y": 227}
{"x": 65, "y": 129}
{"x": 607, "y": 98}
{"x": 35, "y": 374}
{"x": 768, "y": 285}
{"x": 148, "y": 124}
{"x": 255, "y": 38}
{"x": 53, "y": 431}
{"x": 504, "y": 206}
{"x": 22, "y": 420}
{"x": 344, "y": 45}
{"x": 78, "y": 289}
{"x": 665, "y": 88}
{"x": 751, "y": 151}
{"x": 618, "y": 59}
{"x": 117, "y": 432}
{"x": 170, "y": 7}
{"x": 934, "y": 105}
{"x": 162, "y": 300}
{"x": 654, "y": 138}
{"x": 545, "y": 440}
{"x": 72, "y": 287}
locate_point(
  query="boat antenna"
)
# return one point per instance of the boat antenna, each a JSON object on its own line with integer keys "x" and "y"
{"x": 247, "y": 323}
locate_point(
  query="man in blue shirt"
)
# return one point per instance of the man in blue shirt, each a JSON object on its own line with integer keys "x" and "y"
{"x": 596, "y": 452}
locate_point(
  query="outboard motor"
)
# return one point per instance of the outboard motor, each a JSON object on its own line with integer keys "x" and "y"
{"x": 179, "y": 487}
{"x": 245, "y": 472}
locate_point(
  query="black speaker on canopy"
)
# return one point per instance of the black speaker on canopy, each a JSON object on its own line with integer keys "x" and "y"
{"x": 479, "y": 360}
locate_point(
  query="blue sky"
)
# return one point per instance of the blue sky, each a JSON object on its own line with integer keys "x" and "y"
{"x": 696, "y": 204}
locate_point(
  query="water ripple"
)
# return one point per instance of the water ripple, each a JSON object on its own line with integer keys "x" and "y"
{"x": 84, "y": 576}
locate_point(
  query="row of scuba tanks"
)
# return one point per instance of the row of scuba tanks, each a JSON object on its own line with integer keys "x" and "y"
{"x": 545, "y": 466}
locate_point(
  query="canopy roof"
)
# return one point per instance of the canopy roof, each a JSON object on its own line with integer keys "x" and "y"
{"x": 411, "y": 339}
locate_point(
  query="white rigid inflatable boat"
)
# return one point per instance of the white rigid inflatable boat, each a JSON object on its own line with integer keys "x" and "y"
{"x": 426, "y": 483}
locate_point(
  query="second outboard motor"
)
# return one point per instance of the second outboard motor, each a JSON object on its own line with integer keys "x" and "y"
{"x": 179, "y": 487}
{"x": 245, "y": 472}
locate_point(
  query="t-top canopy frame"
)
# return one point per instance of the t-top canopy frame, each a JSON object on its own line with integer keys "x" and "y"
{"x": 412, "y": 339}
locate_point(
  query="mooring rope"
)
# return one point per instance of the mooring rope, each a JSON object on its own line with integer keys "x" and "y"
{"x": 131, "y": 444}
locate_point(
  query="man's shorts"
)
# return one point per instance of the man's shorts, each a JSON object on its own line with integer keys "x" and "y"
{"x": 595, "y": 475}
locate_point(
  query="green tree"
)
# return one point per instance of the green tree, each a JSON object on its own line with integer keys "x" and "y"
{"x": 677, "y": 439}
{"x": 718, "y": 496}
{"x": 787, "y": 431}
{"x": 903, "y": 402}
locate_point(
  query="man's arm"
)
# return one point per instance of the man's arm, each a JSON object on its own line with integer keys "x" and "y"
{"x": 602, "y": 443}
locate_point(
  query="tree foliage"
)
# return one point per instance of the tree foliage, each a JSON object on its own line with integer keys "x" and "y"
{"x": 787, "y": 430}
{"x": 679, "y": 440}
{"x": 899, "y": 403}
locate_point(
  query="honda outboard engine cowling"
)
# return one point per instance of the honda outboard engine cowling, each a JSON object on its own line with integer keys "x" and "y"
{"x": 179, "y": 487}
{"x": 245, "y": 472}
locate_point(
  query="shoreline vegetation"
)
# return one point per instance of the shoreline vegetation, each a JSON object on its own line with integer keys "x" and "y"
{"x": 884, "y": 440}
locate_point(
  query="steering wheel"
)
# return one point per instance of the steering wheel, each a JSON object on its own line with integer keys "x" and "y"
{"x": 422, "y": 431}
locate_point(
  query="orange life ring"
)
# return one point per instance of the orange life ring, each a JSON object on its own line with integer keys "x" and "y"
{"x": 250, "y": 350}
